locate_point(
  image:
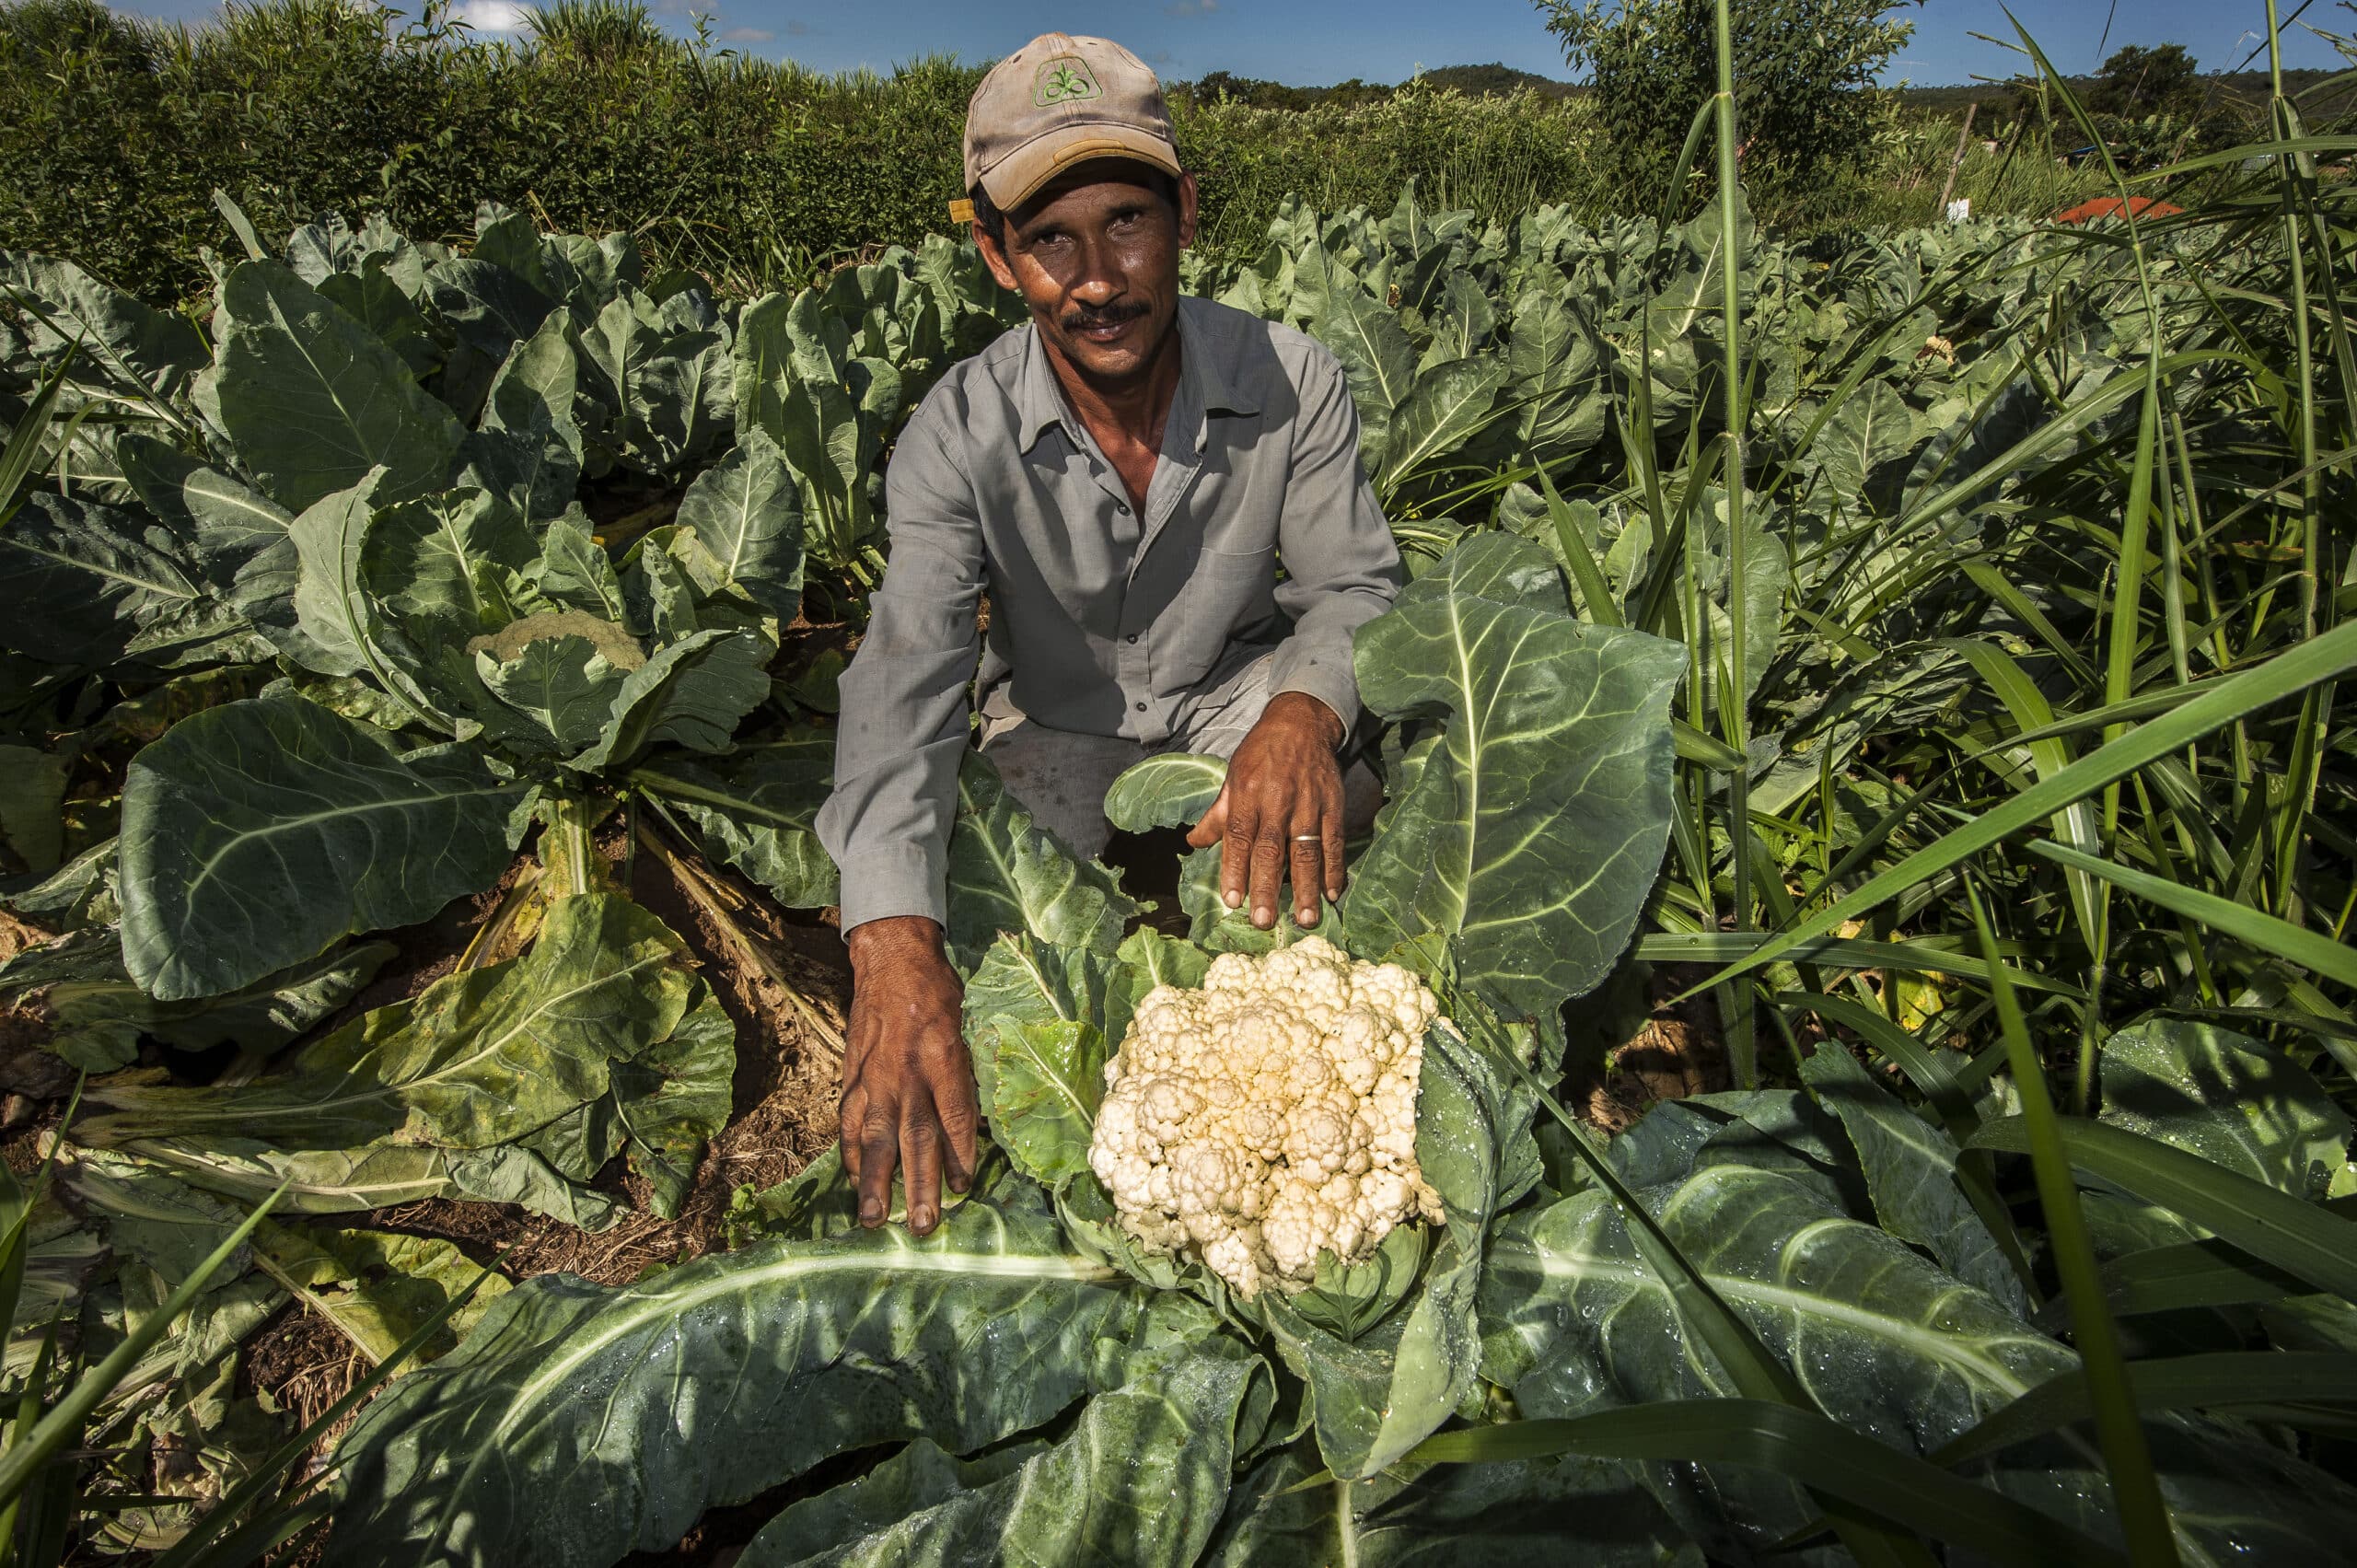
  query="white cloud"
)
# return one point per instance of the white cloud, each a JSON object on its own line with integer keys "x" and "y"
{"x": 1190, "y": 7}
{"x": 491, "y": 16}
{"x": 747, "y": 35}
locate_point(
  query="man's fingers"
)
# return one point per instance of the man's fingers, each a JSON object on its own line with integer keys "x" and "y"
{"x": 878, "y": 1152}
{"x": 1235, "y": 856}
{"x": 1308, "y": 875}
{"x": 921, "y": 1140}
{"x": 1336, "y": 850}
{"x": 1213, "y": 826}
{"x": 961, "y": 1120}
{"x": 852, "y": 1115}
{"x": 1267, "y": 874}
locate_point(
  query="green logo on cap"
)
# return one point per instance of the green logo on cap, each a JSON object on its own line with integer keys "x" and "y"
{"x": 1064, "y": 79}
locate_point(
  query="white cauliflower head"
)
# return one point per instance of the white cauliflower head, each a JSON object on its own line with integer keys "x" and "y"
{"x": 1269, "y": 1115}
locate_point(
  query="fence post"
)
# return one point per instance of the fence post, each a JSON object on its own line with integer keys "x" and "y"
{"x": 1963, "y": 140}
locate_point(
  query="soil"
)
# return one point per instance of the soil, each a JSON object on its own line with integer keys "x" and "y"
{"x": 1679, "y": 1050}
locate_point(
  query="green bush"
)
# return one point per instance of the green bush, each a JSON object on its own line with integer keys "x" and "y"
{"x": 115, "y": 131}
{"x": 1804, "y": 70}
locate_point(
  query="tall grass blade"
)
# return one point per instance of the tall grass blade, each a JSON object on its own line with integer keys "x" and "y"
{"x": 2128, "y": 1460}
{"x": 2309, "y": 949}
{"x": 2319, "y": 658}
{"x": 2275, "y": 1228}
{"x": 2217, "y": 1380}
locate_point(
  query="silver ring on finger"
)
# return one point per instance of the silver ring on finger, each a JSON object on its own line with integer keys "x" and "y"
{"x": 1309, "y": 838}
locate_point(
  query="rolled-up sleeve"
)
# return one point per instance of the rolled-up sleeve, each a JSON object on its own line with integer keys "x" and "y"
{"x": 1341, "y": 566}
{"x": 905, "y": 709}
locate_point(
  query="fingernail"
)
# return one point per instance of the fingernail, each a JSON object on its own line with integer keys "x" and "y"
{"x": 1264, "y": 916}
{"x": 920, "y": 1220}
{"x": 1307, "y": 916}
{"x": 1235, "y": 900}
{"x": 871, "y": 1212}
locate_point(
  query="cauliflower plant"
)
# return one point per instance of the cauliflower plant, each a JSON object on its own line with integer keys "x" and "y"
{"x": 1269, "y": 1115}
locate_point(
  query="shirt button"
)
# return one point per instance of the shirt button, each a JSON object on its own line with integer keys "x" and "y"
{"x": 1123, "y": 507}
{"x": 1131, "y": 638}
{"x": 1141, "y": 707}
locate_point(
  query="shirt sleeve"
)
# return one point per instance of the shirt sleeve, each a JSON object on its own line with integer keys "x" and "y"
{"x": 905, "y": 710}
{"x": 1341, "y": 565}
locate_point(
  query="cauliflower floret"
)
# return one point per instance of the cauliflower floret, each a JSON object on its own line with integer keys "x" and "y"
{"x": 1270, "y": 1116}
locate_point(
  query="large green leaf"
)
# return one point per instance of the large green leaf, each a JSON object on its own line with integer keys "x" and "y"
{"x": 530, "y": 446}
{"x": 1573, "y": 1320}
{"x": 1170, "y": 791}
{"x": 82, "y": 583}
{"x": 2234, "y": 1100}
{"x": 1859, "y": 443}
{"x": 691, "y": 692}
{"x": 1555, "y": 372}
{"x": 344, "y": 630}
{"x": 313, "y": 400}
{"x": 1911, "y": 1167}
{"x": 95, "y": 1015}
{"x": 1450, "y": 405}
{"x": 1530, "y": 834}
{"x": 490, "y": 307}
{"x": 220, "y": 523}
{"x": 745, "y": 514}
{"x": 666, "y": 381}
{"x": 257, "y": 833}
{"x": 1141, "y": 1478}
{"x": 754, "y": 810}
{"x": 1007, "y": 875}
{"x": 448, "y": 566}
{"x": 375, "y": 1176}
{"x": 377, "y": 1287}
{"x": 1573, "y": 1510}
{"x": 888, "y": 1509}
{"x": 136, "y": 344}
{"x": 558, "y": 693}
{"x": 1034, "y": 1019}
{"x": 675, "y": 1095}
{"x": 716, "y": 1380}
{"x": 1377, "y": 359}
{"x": 481, "y": 1057}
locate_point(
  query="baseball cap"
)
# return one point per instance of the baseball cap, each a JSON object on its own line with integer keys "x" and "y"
{"x": 1058, "y": 101}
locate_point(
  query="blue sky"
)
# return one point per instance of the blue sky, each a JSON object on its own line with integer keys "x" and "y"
{"x": 1317, "y": 41}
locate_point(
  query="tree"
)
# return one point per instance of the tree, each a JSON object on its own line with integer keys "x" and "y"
{"x": 2137, "y": 81}
{"x": 1805, "y": 75}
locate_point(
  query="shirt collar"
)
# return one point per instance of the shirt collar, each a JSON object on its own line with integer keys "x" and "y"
{"x": 1041, "y": 399}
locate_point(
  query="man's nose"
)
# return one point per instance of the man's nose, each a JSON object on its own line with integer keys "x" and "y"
{"x": 1099, "y": 279}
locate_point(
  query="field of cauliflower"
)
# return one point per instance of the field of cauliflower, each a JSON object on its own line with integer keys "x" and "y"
{"x": 1840, "y": 1042}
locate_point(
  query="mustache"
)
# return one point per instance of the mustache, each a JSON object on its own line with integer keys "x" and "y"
{"x": 1082, "y": 319}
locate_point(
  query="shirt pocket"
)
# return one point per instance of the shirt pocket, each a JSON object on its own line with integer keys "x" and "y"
{"x": 1237, "y": 567}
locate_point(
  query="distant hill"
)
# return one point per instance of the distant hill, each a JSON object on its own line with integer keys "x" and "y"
{"x": 2244, "y": 89}
{"x": 1493, "y": 80}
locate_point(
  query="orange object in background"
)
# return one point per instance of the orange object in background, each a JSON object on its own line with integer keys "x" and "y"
{"x": 2113, "y": 207}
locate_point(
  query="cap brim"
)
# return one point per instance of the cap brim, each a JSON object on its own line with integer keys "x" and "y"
{"x": 1022, "y": 173}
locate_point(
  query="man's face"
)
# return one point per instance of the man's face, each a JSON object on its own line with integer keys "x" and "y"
{"x": 1095, "y": 257}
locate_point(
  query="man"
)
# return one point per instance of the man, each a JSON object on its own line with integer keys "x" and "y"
{"x": 1121, "y": 477}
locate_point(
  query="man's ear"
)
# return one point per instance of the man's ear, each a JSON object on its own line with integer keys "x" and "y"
{"x": 1187, "y": 198}
{"x": 995, "y": 259}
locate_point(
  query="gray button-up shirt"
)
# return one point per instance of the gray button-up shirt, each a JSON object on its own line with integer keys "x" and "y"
{"x": 1103, "y": 623}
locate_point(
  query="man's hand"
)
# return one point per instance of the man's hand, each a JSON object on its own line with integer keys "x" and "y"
{"x": 908, "y": 1081}
{"x": 1281, "y": 807}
